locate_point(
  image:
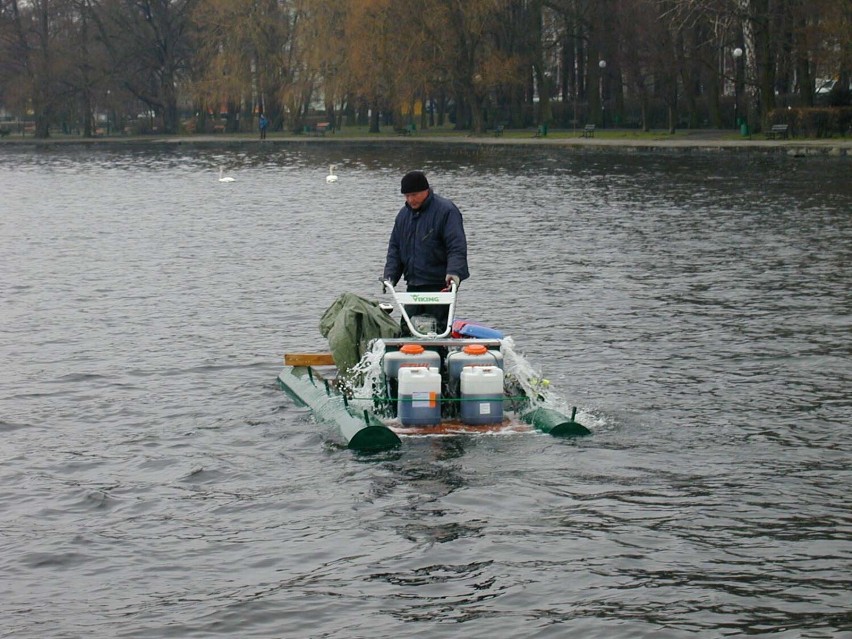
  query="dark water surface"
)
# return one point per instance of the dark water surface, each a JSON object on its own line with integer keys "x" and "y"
{"x": 156, "y": 483}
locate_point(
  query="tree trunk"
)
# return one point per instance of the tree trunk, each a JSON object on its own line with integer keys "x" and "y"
{"x": 170, "y": 108}
{"x": 545, "y": 114}
{"x": 764, "y": 60}
{"x": 477, "y": 110}
{"x": 42, "y": 78}
{"x": 87, "y": 114}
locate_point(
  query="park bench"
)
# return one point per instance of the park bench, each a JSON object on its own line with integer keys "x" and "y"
{"x": 321, "y": 128}
{"x": 408, "y": 129}
{"x": 589, "y": 131}
{"x": 4, "y": 132}
{"x": 498, "y": 130}
{"x": 778, "y": 130}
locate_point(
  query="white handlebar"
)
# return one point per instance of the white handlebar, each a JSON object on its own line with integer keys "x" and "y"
{"x": 426, "y": 298}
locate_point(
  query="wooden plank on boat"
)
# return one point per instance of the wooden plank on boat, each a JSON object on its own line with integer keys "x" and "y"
{"x": 308, "y": 359}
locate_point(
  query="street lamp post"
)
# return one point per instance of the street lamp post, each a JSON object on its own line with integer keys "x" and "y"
{"x": 737, "y": 53}
{"x": 602, "y": 65}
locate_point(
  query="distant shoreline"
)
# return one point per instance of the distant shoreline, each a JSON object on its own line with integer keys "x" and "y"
{"x": 687, "y": 141}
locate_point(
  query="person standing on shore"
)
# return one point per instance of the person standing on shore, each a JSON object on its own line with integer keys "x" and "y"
{"x": 427, "y": 245}
{"x": 264, "y": 123}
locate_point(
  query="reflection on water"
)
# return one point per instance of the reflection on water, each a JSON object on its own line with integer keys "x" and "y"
{"x": 695, "y": 308}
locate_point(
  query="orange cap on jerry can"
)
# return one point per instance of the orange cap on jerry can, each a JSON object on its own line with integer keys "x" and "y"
{"x": 411, "y": 349}
{"x": 475, "y": 349}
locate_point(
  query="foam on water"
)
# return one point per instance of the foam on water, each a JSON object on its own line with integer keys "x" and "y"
{"x": 364, "y": 380}
{"x": 537, "y": 387}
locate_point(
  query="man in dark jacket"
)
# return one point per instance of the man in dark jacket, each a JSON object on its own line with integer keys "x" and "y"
{"x": 427, "y": 245}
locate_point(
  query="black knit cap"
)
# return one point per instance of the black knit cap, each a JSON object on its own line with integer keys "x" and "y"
{"x": 414, "y": 182}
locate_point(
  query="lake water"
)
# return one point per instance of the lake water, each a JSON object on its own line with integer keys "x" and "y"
{"x": 697, "y": 308}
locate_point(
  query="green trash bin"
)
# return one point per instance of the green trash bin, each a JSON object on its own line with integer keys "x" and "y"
{"x": 744, "y": 129}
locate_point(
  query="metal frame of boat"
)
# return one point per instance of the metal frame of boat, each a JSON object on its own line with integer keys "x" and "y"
{"x": 312, "y": 380}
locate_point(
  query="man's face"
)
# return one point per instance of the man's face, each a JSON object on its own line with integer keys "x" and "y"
{"x": 415, "y": 200}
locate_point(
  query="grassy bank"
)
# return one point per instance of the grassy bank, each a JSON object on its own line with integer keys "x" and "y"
{"x": 706, "y": 139}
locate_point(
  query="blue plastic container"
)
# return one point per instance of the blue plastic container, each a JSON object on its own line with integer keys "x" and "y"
{"x": 482, "y": 395}
{"x": 409, "y": 355}
{"x": 472, "y": 355}
{"x": 419, "y": 399}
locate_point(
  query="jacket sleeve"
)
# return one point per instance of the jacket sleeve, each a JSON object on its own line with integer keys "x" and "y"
{"x": 456, "y": 243}
{"x": 393, "y": 262}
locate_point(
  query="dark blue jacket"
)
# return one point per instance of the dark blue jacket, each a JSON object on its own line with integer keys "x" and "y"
{"x": 428, "y": 244}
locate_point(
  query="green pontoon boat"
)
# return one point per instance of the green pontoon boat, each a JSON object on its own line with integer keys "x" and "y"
{"x": 378, "y": 388}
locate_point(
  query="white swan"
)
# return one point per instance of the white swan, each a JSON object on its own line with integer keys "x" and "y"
{"x": 331, "y": 177}
{"x": 223, "y": 178}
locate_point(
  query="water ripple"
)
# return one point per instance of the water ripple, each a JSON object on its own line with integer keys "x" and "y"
{"x": 158, "y": 484}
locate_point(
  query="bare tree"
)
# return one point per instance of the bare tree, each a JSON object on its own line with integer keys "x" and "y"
{"x": 36, "y": 37}
{"x": 150, "y": 42}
